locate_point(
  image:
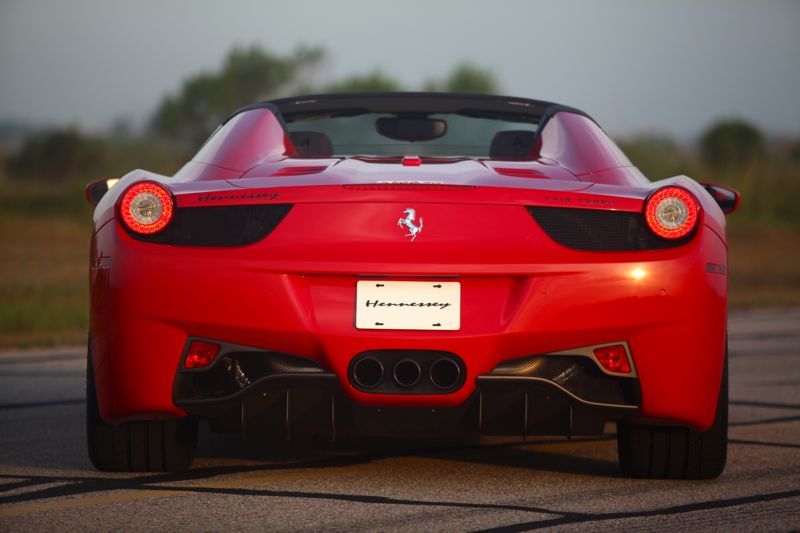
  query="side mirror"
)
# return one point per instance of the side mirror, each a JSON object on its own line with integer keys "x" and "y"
{"x": 95, "y": 190}
{"x": 727, "y": 198}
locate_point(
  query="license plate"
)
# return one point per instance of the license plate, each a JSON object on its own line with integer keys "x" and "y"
{"x": 420, "y": 305}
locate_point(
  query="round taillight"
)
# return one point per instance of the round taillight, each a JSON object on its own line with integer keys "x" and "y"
{"x": 672, "y": 212}
{"x": 146, "y": 207}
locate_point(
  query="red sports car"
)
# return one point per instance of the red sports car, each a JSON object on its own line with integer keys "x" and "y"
{"x": 409, "y": 264}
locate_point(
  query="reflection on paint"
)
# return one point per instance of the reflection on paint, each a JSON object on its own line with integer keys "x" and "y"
{"x": 638, "y": 274}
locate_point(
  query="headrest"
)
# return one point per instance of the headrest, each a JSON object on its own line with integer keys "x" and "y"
{"x": 311, "y": 143}
{"x": 512, "y": 144}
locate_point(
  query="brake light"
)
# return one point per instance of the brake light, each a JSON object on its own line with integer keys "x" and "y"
{"x": 613, "y": 358}
{"x": 672, "y": 212}
{"x": 147, "y": 207}
{"x": 201, "y": 354}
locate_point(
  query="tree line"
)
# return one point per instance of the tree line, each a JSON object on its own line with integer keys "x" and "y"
{"x": 184, "y": 119}
{"x": 730, "y": 151}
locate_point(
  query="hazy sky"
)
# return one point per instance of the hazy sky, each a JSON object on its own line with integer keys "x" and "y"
{"x": 673, "y": 66}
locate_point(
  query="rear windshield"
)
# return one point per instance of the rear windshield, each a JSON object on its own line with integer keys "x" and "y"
{"x": 399, "y": 134}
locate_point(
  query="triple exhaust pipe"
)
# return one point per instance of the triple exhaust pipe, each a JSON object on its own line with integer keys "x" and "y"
{"x": 407, "y": 373}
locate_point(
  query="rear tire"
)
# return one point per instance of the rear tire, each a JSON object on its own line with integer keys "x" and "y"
{"x": 662, "y": 452}
{"x": 145, "y": 446}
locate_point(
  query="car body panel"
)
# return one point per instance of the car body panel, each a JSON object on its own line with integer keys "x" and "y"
{"x": 523, "y": 294}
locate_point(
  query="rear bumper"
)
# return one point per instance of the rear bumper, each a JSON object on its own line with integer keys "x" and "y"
{"x": 148, "y": 299}
{"x": 313, "y": 405}
{"x": 540, "y": 395}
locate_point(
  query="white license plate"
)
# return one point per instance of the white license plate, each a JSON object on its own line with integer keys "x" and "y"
{"x": 408, "y": 305}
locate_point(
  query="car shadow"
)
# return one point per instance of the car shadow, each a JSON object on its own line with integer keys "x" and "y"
{"x": 556, "y": 455}
{"x": 59, "y": 467}
{"x": 226, "y": 455}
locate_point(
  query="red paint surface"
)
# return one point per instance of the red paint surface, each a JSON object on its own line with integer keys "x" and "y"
{"x": 522, "y": 293}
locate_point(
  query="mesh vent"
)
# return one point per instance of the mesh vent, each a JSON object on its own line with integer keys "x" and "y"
{"x": 287, "y": 364}
{"x": 600, "y": 230}
{"x": 259, "y": 364}
{"x": 578, "y": 375}
{"x": 235, "y": 225}
{"x": 218, "y": 381}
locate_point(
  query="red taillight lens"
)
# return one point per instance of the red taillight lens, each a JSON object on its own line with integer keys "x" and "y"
{"x": 672, "y": 212}
{"x": 613, "y": 358}
{"x": 201, "y": 354}
{"x": 147, "y": 207}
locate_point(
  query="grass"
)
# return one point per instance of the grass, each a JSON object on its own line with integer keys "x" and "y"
{"x": 764, "y": 265}
{"x": 44, "y": 275}
{"x": 45, "y": 229}
{"x": 43, "y": 280}
{"x": 45, "y": 221}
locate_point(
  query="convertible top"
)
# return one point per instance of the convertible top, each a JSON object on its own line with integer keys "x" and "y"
{"x": 411, "y": 102}
{"x": 256, "y": 138}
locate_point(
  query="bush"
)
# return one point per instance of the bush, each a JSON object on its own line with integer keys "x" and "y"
{"x": 57, "y": 155}
{"x": 732, "y": 145}
{"x": 247, "y": 75}
{"x": 657, "y": 156}
{"x": 466, "y": 78}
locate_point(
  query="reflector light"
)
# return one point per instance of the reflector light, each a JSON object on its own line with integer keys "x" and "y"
{"x": 671, "y": 212}
{"x": 146, "y": 207}
{"x": 201, "y": 354}
{"x": 613, "y": 358}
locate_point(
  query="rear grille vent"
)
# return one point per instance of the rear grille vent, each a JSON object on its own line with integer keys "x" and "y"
{"x": 599, "y": 230}
{"x": 218, "y": 381}
{"x": 578, "y": 375}
{"x": 235, "y": 225}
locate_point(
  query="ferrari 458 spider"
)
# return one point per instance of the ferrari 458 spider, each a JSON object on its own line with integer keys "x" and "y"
{"x": 409, "y": 264}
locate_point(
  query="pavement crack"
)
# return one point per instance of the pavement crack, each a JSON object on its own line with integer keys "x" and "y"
{"x": 771, "y": 405}
{"x": 762, "y": 443}
{"x": 678, "y": 509}
{"x": 53, "y": 403}
{"x": 765, "y": 421}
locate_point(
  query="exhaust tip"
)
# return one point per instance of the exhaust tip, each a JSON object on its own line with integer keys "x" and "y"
{"x": 368, "y": 373}
{"x": 445, "y": 373}
{"x": 407, "y": 373}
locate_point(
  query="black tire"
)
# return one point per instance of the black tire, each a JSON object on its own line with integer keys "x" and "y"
{"x": 661, "y": 452}
{"x": 146, "y": 446}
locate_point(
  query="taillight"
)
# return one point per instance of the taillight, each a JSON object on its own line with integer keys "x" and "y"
{"x": 613, "y": 358}
{"x": 201, "y": 354}
{"x": 147, "y": 207}
{"x": 672, "y": 212}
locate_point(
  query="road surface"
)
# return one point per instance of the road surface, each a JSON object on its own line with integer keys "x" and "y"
{"x": 46, "y": 481}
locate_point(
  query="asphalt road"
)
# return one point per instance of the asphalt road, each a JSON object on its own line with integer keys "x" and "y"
{"x": 46, "y": 481}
